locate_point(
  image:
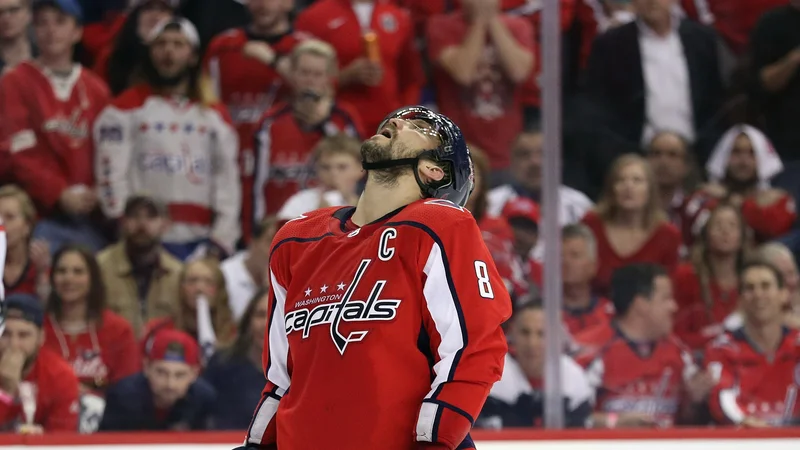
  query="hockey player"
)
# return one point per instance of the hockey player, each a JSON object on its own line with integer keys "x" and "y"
{"x": 384, "y": 326}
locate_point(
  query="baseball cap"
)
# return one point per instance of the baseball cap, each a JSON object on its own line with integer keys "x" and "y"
{"x": 69, "y": 7}
{"x": 26, "y": 307}
{"x": 522, "y": 211}
{"x": 186, "y": 28}
{"x": 173, "y": 345}
{"x": 154, "y": 206}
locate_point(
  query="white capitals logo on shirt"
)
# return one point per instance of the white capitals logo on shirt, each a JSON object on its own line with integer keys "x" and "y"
{"x": 346, "y": 310}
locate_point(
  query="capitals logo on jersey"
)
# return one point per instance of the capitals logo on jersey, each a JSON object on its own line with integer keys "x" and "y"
{"x": 313, "y": 312}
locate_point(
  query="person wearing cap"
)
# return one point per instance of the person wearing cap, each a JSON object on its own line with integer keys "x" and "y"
{"x": 120, "y": 60}
{"x": 47, "y": 109}
{"x": 522, "y": 215}
{"x": 168, "y": 137}
{"x": 141, "y": 278}
{"x": 167, "y": 395}
{"x": 38, "y": 389}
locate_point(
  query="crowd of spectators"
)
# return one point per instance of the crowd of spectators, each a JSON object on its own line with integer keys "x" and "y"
{"x": 150, "y": 150}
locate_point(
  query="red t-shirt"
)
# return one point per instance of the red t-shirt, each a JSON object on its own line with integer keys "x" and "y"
{"x": 335, "y": 22}
{"x": 695, "y": 323}
{"x": 489, "y": 111}
{"x": 751, "y": 384}
{"x": 100, "y": 356}
{"x": 662, "y": 248}
{"x": 56, "y": 390}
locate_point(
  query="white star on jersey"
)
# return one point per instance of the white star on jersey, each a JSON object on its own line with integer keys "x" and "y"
{"x": 340, "y": 286}
{"x": 308, "y": 292}
{"x": 323, "y": 289}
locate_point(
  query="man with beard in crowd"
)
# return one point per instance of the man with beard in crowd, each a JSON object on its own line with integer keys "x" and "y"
{"x": 167, "y": 137}
{"x": 141, "y": 278}
{"x": 38, "y": 389}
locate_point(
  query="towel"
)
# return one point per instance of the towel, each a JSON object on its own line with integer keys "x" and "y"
{"x": 768, "y": 163}
{"x": 206, "y": 337}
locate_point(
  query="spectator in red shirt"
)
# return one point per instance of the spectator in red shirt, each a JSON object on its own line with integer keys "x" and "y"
{"x": 756, "y": 366}
{"x": 381, "y": 69}
{"x": 629, "y": 224}
{"x": 288, "y": 133}
{"x": 248, "y": 66}
{"x": 47, "y": 109}
{"x": 481, "y": 58}
{"x": 27, "y": 262}
{"x": 582, "y": 309}
{"x": 203, "y": 312}
{"x": 740, "y": 170}
{"x": 522, "y": 215}
{"x": 15, "y": 43}
{"x": 120, "y": 61}
{"x": 98, "y": 343}
{"x": 669, "y": 156}
{"x": 706, "y": 287}
{"x": 38, "y": 390}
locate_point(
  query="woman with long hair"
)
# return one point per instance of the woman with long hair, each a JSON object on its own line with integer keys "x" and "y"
{"x": 204, "y": 312}
{"x": 236, "y": 372}
{"x": 629, "y": 224}
{"x": 120, "y": 63}
{"x": 98, "y": 343}
{"x": 707, "y": 286}
{"x": 27, "y": 262}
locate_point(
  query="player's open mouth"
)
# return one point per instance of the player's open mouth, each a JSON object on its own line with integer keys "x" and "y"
{"x": 386, "y": 132}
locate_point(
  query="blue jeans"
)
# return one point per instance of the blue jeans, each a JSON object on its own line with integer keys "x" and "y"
{"x": 61, "y": 231}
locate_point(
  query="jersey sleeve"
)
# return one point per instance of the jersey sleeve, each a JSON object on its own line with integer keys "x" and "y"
{"x": 276, "y": 357}
{"x": 227, "y": 186}
{"x": 113, "y": 141}
{"x": 465, "y": 304}
{"x": 31, "y": 162}
{"x": 723, "y": 400}
{"x": 63, "y": 412}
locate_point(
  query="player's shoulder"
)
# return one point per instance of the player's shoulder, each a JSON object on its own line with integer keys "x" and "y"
{"x": 438, "y": 215}
{"x": 306, "y": 227}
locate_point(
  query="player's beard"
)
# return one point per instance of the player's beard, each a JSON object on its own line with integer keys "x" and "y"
{"x": 372, "y": 151}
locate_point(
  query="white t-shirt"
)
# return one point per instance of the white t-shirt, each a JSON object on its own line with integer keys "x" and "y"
{"x": 240, "y": 285}
{"x": 308, "y": 200}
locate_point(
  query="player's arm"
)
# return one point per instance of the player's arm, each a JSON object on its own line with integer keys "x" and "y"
{"x": 262, "y": 433}
{"x": 227, "y": 187}
{"x": 113, "y": 143}
{"x": 465, "y": 305}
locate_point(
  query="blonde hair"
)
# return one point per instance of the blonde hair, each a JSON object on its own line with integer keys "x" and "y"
{"x": 316, "y": 47}
{"x": 221, "y": 316}
{"x": 25, "y": 203}
{"x": 338, "y": 144}
{"x": 607, "y": 206}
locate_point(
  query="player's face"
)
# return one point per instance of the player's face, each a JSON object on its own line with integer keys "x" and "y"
{"x": 630, "y": 188}
{"x": 15, "y": 17}
{"x": 761, "y": 299}
{"x": 527, "y": 339}
{"x": 169, "y": 380}
{"x": 258, "y": 323}
{"x": 311, "y": 73}
{"x": 724, "y": 231}
{"x": 400, "y": 138}
{"x": 71, "y": 278}
{"x": 151, "y": 15}
{"x": 667, "y": 158}
{"x": 266, "y": 13}
{"x": 661, "y": 307}
{"x": 18, "y": 230}
{"x": 143, "y": 229}
{"x": 172, "y": 54}
{"x": 22, "y": 336}
{"x": 527, "y": 161}
{"x": 199, "y": 280}
{"x": 56, "y": 32}
{"x": 742, "y": 162}
{"x": 578, "y": 265}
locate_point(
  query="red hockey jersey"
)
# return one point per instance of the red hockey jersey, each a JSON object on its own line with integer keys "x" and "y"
{"x": 248, "y": 88}
{"x": 638, "y": 377}
{"x": 385, "y": 335}
{"x": 284, "y": 150}
{"x": 100, "y": 356}
{"x": 749, "y": 384}
{"x": 46, "y": 123}
{"x": 599, "y": 312}
{"x": 57, "y": 394}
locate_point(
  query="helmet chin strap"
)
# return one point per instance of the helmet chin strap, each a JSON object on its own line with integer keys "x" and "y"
{"x": 427, "y": 190}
